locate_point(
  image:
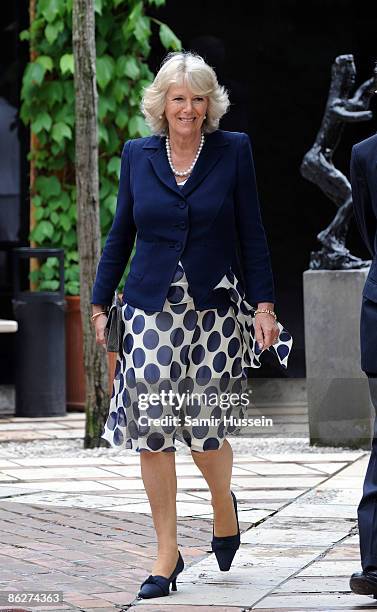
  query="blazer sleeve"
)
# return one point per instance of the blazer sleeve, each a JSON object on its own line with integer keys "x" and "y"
{"x": 362, "y": 205}
{"x": 120, "y": 240}
{"x": 255, "y": 256}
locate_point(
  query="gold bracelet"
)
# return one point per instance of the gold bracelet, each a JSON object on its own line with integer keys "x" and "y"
{"x": 97, "y": 314}
{"x": 261, "y": 310}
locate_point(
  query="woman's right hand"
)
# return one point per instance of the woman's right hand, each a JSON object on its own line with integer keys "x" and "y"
{"x": 99, "y": 325}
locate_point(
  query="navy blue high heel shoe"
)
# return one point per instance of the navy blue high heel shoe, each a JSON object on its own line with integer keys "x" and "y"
{"x": 225, "y": 547}
{"x": 158, "y": 586}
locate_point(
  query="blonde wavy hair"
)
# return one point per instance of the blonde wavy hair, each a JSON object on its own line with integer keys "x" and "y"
{"x": 190, "y": 69}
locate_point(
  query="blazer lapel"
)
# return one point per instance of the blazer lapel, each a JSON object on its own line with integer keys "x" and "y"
{"x": 212, "y": 151}
{"x": 160, "y": 163}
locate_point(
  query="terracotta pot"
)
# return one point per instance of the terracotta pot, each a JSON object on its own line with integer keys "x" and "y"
{"x": 75, "y": 378}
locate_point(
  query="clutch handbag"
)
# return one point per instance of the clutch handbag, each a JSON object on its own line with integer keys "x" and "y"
{"x": 113, "y": 328}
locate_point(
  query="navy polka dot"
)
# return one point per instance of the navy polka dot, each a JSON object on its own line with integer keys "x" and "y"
{"x": 165, "y": 385}
{"x": 175, "y": 295}
{"x": 118, "y": 437}
{"x": 154, "y": 411}
{"x": 216, "y": 413}
{"x": 214, "y": 341}
{"x": 133, "y": 429}
{"x": 219, "y": 361}
{"x": 233, "y": 347}
{"x": 186, "y": 385}
{"x": 236, "y": 367}
{"x": 138, "y": 357}
{"x": 196, "y": 335}
{"x": 112, "y": 420}
{"x": 164, "y": 355}
{"x": 150, "y": 339}
{"x": 203, "y": 375}
{"x": 129, "y": 312}
{"x": 130, "y": 378}
{"x": 177, "y": 336}
{"x": 151, "y": 373}
{"x": 282, "y": 350}
{"x": 198, "y": 354}
{"x": 155, "y": 441}
{"x": 141, "y": 387}
{"x": 208, "y": 320}
{"x": 126, "y": 398}
{"x": 190, "y": 319}
{"x": 211, "y": 444}
{"x": 179, "y": 308}
{"x": 183, "y": 355}
{"x": 164, "y": 321}
{"x": 228, "y": 327}
{"x": 224, "y": 381}
{"x": 128, "y": 343}
{"x": 121, "y": 383}
{"x": 138, "y": 324}
{"x": 175, "y": 370}
{"x": 222, "y": 311}
{"x": 122, "y": 421}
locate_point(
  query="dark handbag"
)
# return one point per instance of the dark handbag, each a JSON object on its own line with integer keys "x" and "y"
{"x": 113, "y": 328}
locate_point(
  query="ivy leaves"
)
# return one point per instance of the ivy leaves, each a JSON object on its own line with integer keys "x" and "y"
{"x": 123, "y": 33}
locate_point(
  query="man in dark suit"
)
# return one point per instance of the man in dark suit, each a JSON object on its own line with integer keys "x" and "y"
{"x": 364, "y": 192}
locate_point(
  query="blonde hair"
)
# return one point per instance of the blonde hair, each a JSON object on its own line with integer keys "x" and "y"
{"x": 190, "y": 69}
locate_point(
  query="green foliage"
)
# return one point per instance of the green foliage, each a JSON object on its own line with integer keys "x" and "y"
{"x": 123, "y": 32}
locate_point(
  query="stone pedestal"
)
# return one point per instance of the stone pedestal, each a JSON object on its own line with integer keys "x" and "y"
{"x": 339, "y": 405}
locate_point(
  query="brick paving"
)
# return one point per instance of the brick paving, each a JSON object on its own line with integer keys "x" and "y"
{"x": 83, "y": 526}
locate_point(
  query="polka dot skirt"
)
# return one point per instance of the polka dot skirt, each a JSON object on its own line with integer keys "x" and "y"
{"x": 182, "y": 373}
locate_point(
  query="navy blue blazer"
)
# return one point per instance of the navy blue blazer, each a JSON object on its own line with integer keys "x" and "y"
{"x": 364, "y": 194}
{"x": 212, "y": 223}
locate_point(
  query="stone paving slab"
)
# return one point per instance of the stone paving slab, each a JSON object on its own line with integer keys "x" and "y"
{"x": 325, "y": 602}
{"x": 319, "y": 511}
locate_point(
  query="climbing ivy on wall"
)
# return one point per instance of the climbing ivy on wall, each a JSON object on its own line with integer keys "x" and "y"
{"x": 123, "y": 34}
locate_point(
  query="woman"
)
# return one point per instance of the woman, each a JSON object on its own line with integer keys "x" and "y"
{"x": 188, "y": 195}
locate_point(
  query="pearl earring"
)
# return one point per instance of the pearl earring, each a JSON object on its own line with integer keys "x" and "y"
{"x": 160, "y": 117}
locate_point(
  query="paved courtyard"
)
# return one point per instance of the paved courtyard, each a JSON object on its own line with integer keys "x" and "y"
{"x": 80, "y": 523}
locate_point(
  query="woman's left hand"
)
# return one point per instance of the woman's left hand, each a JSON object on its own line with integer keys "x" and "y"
{"x": 266, "y": 330}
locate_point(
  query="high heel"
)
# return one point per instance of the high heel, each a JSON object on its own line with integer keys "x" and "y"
{"x": 225, "y": 547}
{"x": 158, "y": 586}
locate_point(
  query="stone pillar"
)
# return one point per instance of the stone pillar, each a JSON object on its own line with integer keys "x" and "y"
{"x": 339, "y": 406}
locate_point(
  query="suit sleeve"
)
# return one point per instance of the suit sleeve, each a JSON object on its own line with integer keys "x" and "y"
{"x": 255, "y": 256}
{"x": 362, "y": 205}
{"x": 120, "y": 240}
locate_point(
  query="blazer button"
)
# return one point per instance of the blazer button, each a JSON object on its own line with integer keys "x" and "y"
{"x": 182, "y": 225}
{"x": 177, "y": 246}
{"x": 182, "y": 204}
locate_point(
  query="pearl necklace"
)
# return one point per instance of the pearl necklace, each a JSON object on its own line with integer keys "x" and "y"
{"x": 189, "y": 170}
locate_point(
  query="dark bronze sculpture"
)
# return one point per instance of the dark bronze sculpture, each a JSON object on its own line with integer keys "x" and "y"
{"x": 317, "y": 165}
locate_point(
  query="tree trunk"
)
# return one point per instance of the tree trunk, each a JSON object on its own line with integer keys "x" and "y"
{"x": 88, "y": 218}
